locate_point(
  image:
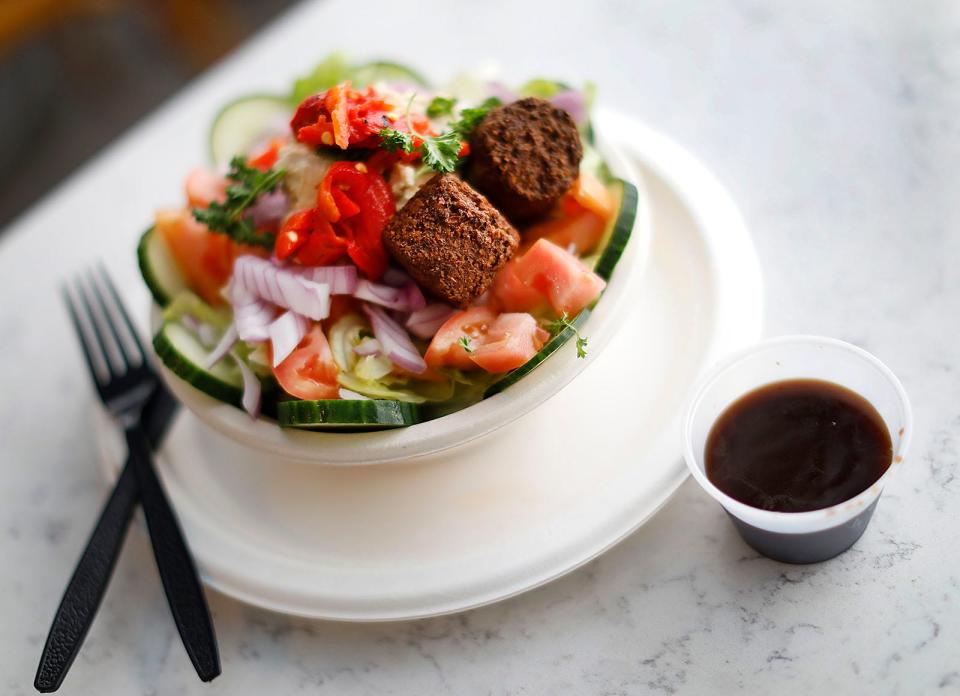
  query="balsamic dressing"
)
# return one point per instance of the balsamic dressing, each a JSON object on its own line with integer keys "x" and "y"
{"x": 797, "y": 445}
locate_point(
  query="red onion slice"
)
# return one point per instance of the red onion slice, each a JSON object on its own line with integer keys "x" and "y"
{"x": 570, "y": 100}
{"x": 380, "y": 294}
{"x": 414, "y": 297}
{"x": 368, "y": 346}
{"x": 424, "y": 323}
{"x": 286, "y": 332}
{"x": 573, "y": 102}
{"x": 268, "y": 210}
{"x": 284, "y": 287}
{"x": 223, "y": 347}
{"x": 205, "y": 333}
{"x": 404, "y": 299}
{"x": 251, "y": 387}
{"x": 251, "y": 315}
{"x": 395, "y": 341}
{"x": 341, "y": 279}
{"x": 502, "y": 92}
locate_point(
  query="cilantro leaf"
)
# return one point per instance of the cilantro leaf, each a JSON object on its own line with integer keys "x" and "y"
{"x": 563, "y": 323}
{"x": 442, "y": 152}
{"x": 440, "y": 106}
{"x": 465, "y": 342}
{"x": 229, "y": 216}
{"x": 393, "y": 140}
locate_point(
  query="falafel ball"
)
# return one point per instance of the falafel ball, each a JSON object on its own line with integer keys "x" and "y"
{"x": 451, "y": 240}
{"x": 524, "y": 156}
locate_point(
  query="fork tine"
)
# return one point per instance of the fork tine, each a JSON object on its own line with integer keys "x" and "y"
{"x": 102, "y": 325}
{"x": 94, "y": 355}
{"x": 129, "y": 357}
{"x": 121, "y": 309}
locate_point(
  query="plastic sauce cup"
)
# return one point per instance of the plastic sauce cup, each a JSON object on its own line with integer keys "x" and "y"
{"x": 816, "y": 535}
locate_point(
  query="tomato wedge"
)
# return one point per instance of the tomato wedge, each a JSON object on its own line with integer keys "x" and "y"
{"x": 309, "y": 372}
{"x": 578, "y": 232}
{"x": 511, "y": 340}
{"x": 592, "y": 194}
{"x": 496, "y": 343}
{"x": 446, "y": 349}
{"x": 559, "y": 276}
{"x": 204, "y": 187}
{"x": 204, "y": 258}
{"x": 511, "y": 295}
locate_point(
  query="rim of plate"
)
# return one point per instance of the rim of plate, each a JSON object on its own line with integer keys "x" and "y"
{"x": 460, "y": 427}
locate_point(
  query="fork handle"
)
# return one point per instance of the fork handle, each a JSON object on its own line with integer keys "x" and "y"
{"x": 177, "y": 570}
{"x": 85, "y": 590}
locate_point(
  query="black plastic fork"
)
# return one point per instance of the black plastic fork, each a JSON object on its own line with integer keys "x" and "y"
{"x": 125, "y": 382}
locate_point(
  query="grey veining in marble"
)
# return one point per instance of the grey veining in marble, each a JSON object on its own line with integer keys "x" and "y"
{"x": 835, "y": 126}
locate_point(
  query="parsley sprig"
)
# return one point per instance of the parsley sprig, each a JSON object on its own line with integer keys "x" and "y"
{"x": 465, "y": 342}
{"x": 440, "y": 153}
{"x": 229, "y": 217}
{"x": 558, "y": 325}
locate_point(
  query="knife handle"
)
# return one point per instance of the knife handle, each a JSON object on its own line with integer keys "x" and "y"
{"x": 85, "y": 590}
{"x": 177, "y": 570}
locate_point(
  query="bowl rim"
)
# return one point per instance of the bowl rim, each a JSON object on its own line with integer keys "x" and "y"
{"x": 811, "y": 520}
{"x": 460, "y": 427}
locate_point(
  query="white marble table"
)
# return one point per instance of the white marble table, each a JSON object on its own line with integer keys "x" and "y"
{"x": 836, "y": 130}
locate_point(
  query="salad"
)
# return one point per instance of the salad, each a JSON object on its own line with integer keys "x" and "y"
{"x": 370, "y": 251}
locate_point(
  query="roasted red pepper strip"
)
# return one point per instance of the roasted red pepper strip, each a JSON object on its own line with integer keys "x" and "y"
{"x": 294, "y": 232}
{"x": 266, "y": 158}
{"x": 346, "y": 206}
{"x": 308, "y": 112}
{"x": 323, "y": 246}
{"x": 343, "y": 117}
{"x": 353, "y": 206}
{"x": 381, "y": 160}
{"x": 366, "y": 247}
{"x": 353, "y": 178}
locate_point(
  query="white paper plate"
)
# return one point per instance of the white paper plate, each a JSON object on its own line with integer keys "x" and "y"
{"x": 508, "y": 511}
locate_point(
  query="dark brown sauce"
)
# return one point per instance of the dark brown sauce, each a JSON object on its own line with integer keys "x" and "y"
{"x": 797, "y": 445}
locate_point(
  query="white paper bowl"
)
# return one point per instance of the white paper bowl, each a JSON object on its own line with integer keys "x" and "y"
{"x": 460, "y": 427}
{"x": 798, "y": 537}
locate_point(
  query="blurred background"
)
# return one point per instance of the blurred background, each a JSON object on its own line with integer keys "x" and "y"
{"x": 80, "y": 72}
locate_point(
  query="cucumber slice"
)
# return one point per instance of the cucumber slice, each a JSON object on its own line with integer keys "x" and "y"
{"x": 158, "y": 268}
{"x": 618, "y": 231}
{"x": 551, "y": 347}
{"x": 241, "y": 123}
{"x": 182, "y": 353}
{"x": 385, "y": 71}
{"x": 342, "y": 414}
